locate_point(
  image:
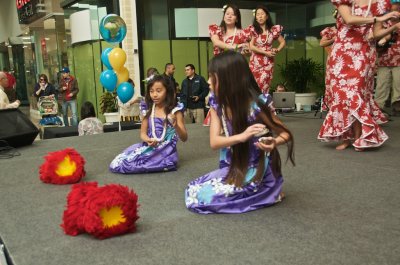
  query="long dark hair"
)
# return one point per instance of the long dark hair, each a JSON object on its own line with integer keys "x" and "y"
{"x": 268, "y": 24}
{"x": 237, "y": 89}
{"x": 87, "y": 110}
{"x": 170, "y": 100}
{"x": 236, "y": 11}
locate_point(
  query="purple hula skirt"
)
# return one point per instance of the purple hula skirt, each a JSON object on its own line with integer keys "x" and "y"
{"x": 211, "y": 194}
{"x": 141, "y": 158}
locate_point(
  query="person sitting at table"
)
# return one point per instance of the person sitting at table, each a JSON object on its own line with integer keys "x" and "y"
{"x": 89, "y": 124}
{"x": 280, "y": 88}
{"x": 130, "y": 111}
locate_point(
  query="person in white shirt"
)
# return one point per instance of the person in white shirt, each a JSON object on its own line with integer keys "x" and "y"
{"x": 129, "y": 111}
{"x": 4, "y": 102}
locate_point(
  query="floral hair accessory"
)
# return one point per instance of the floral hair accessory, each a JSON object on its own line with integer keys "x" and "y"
{"x": 148, "y": 79}
{"x": 335, "y": 13}
{"x": 224, "y": 8}
{"x": 254, "y": 12}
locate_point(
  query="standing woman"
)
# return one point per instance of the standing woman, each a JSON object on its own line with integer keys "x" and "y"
{"x": 263, "y": 33}
{"x": 229, "y": 34}
{"x": 43, "y": 88}
{"x": 350, "y": 117}
{"x": 328, "y": 36}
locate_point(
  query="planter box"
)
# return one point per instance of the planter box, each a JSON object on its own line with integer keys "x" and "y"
{"x": 306, "y": 99}
{"x": 111, "y": 117}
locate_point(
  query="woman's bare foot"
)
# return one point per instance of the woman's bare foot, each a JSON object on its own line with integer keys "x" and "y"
{"x": 281, "y": 197}
{"x": 344, "y": 145}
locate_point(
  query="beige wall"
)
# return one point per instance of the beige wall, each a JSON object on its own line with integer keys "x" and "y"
{"x": 130, "y": 43}
{"x": 9, "y": 25}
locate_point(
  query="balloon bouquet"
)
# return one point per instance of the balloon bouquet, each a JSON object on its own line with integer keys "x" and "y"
{"x": 113, "y": 30}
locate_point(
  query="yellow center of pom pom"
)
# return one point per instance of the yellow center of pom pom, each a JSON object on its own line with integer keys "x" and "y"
{"x": 112, "y": 216}
{"x": 66, "y": 167}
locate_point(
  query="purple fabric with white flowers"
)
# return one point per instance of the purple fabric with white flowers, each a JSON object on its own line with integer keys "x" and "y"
{"x": 211, "y": 194}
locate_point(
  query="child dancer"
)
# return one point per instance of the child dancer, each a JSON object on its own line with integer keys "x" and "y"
{"x": 161, "y": 127}
{"x": 252, "y": 178}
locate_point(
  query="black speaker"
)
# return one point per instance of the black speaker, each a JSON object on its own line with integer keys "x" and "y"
{"x": 16, "y": 128}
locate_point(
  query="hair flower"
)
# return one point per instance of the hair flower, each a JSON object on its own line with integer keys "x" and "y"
{"x": 254, "y": 12}
{"x": 148, "y": 79}
{"x": 224, "y": 8}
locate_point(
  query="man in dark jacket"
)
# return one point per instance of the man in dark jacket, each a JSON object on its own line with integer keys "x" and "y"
{"x": 169, "y": 74}
{"x": 194, "y": 90}
{"x": 69, "y": 89}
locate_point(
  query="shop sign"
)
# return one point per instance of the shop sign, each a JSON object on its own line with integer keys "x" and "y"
{"x": 44, "y": 48}
{"x": 28, "y": 11}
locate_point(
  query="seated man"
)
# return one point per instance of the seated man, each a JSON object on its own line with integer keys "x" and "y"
{"x": 280, "y": 88}
{"x": 4, "y": 102}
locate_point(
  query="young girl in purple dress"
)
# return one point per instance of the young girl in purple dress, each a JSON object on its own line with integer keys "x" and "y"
{"x": 161, "y": 126}
{"x": 252, "y": 178}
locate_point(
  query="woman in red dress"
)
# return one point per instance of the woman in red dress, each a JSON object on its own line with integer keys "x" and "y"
{"x": 263, "y": 33}
{"x": 350, "y": 116}
{"x": 229, "y": 34}
{"x": 328, "y": 36}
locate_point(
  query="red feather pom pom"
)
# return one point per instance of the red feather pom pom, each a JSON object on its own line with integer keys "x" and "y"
{"x": 101, "y": 211}
{"x": 62, "y": 167}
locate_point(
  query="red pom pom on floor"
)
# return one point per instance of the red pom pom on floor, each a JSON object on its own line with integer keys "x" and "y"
{"x": 100, "y": 211}
{"x": 62, "y": 167}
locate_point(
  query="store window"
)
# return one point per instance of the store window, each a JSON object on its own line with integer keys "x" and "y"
{"x": 162, "y": 40}
{"x": 84, "y": 47}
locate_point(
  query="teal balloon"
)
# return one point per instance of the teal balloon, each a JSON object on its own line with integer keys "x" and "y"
{"x": 112, "y": 28}
{"x": 125, "y": 92}
{"x": 104, "y": 58}
{"x": 109, "y": 79}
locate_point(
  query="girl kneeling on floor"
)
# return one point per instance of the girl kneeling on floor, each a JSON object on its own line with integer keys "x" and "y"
{"x": 252, "y": 176}
{"x": 160, "y": 129}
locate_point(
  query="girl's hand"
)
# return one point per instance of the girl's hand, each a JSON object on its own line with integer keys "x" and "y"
{"x": 244, "y": 48}
{"x": 270, "y": 53}
{"x": 152, "y": 142}
{"x": 382, "y": 42}
{"x": 275, "y": 50}
{"x": 266, "y": 144}
{"x": 172, "y": 119}
{"x": 251, "y": 131}
{"x": 393, "y": 14}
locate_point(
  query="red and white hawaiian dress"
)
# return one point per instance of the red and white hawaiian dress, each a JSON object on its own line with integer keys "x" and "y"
{"x": 391, "y": 57}
{"x": 350, "y": 66}
{"x": 329, "y": 33}
{"x": 262, "y": 66}
{"x": 239, "y": 38}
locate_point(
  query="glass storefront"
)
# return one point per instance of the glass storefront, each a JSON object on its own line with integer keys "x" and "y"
{"x": 161, "y": 42}
{"x": 46, "y": 44}
{"x": 84, "y": 57}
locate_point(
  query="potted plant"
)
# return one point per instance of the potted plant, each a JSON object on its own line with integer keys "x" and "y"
{"x": 109, "y": 106}
{"x": 305, "y": 77}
